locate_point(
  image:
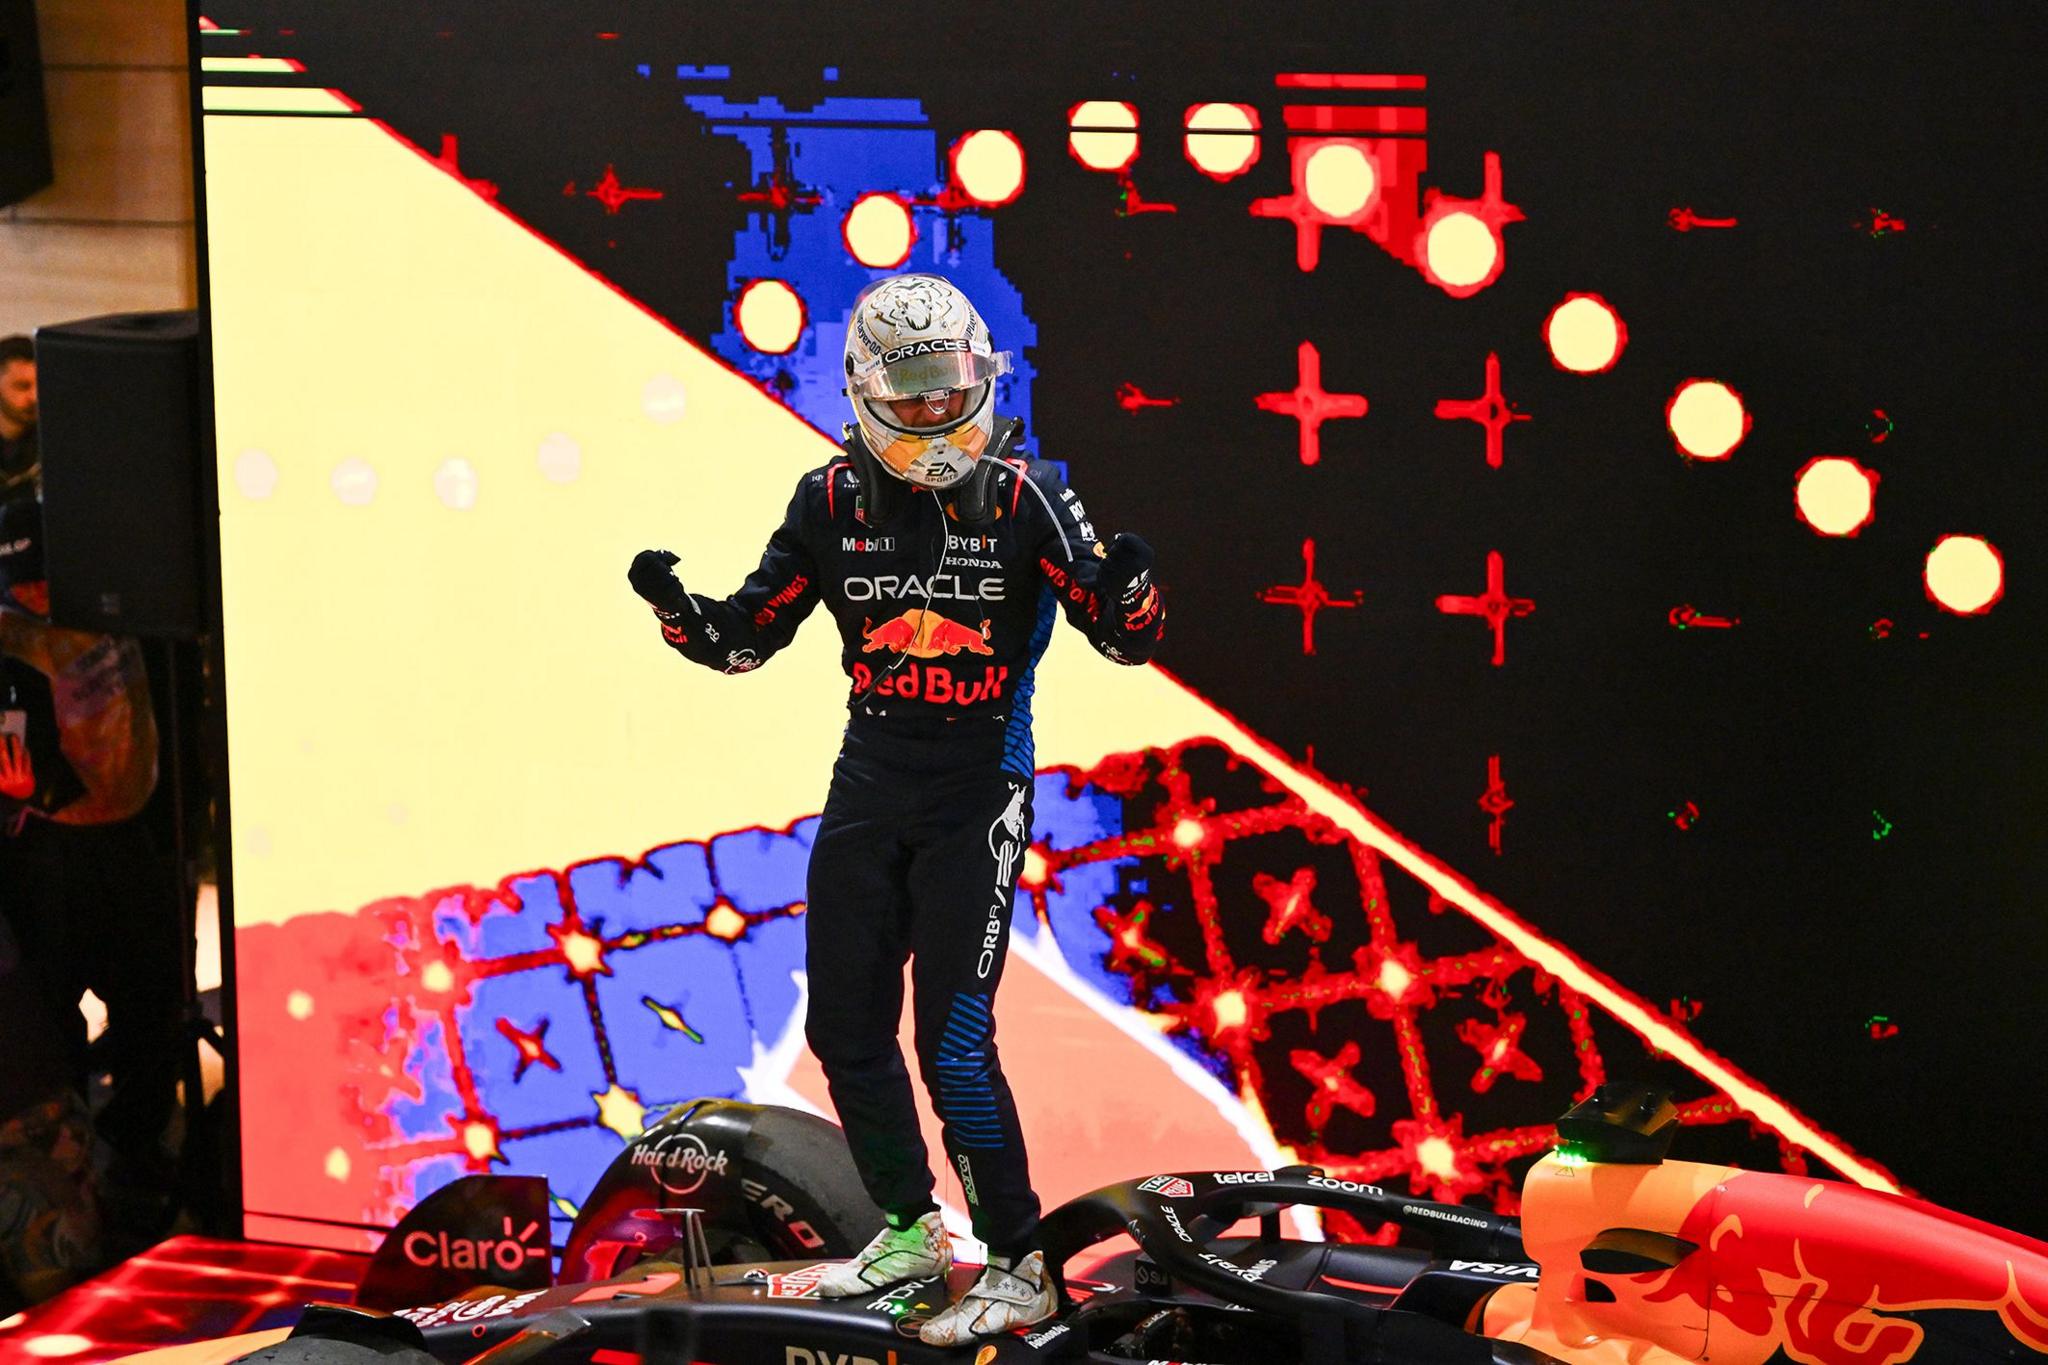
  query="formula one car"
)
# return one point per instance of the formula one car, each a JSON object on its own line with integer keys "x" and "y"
{"x": 1620, "y": 1258}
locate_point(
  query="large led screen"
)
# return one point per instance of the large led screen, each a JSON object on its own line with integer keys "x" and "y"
{"x": 1590, "y": 652}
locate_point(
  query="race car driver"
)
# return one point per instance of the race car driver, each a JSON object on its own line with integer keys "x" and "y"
{"x": 944, "y": 558}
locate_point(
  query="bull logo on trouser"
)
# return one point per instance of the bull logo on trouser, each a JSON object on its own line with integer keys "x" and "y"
{"x": 925, "y": 635}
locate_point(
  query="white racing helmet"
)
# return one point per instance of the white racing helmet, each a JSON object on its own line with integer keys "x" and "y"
{"x": 916, "y": 336}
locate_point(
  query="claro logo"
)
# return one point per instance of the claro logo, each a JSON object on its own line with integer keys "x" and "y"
{"x": 680, "y": 1162}
{"x": 509, "y": 1253}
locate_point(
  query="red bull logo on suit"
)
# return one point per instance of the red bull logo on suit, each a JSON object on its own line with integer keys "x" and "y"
{"x": 925, "y": 635}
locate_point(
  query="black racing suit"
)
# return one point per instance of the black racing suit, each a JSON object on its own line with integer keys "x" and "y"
{"x": 929, "y": 813}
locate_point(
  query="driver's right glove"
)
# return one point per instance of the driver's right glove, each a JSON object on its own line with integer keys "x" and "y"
{"x": 653, "y": 577}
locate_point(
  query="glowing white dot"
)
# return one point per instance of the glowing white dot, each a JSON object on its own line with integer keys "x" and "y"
{"x": 9, "y": 1324}
{"x": 299, "y": 1005}
{"x": 354, "y": 482}
{"x": 1103, "y": 151}
{"x": 1707, "y": 419}
{"x": 770, "y": 315}
{"x": 337, "y": 1167}
{"x": 455, "y": 484}
{"x": 1585, "y": 334}
{"x": 879, "y": 231}
{"x": 1461, "y": 250}
{"x": 1036, "y": 869}
{"x": 561, "y": 458}
{"x": 255, "y": 474}
{"x": 1222, "y": 139}
{"x": 1835, "y": 495}
{"x": 989, "y": 166}
{"x": 1437, "y": 1157}
{"x": 662, "y": 399}
{"x": 1965, "y": 575}
{"x": 1229, "y": 1009}
{"x": 56, "y": 1345}
{"x": 95, "y": 1011}
{"x": 1339, "y": 179}
{"x": 436, "y": 976}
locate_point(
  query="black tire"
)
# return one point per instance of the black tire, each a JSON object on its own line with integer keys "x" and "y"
{"x": 770, "y": 1184}
{"x": 792, "y": 1150}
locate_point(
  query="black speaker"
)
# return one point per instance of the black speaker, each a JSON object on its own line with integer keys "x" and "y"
{"x": 123, "y": 491}
{"x": 24, "y": 123}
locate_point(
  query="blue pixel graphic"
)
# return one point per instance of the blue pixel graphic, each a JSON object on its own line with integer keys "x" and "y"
{"x": 809, "y": 167}
{"x": 658, "y": 979}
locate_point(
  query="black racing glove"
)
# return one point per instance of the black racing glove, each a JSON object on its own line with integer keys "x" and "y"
{"x": 1125, "y": 582}
{"x": 653, "y": 577}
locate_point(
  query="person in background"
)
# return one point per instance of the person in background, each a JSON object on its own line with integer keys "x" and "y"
{"x": 84, "y": 891}
{"x": 50, "y": 1229}
{"x": 20, "y": 462}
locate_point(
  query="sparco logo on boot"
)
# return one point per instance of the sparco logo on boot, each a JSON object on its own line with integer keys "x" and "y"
{"x": 680, "y": 1162}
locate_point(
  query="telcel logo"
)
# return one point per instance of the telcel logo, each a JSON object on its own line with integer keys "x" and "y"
{"x": 508, "y": 1253}
{"x": 680, "y": 1162}
{"x": 1241, "y": 1177}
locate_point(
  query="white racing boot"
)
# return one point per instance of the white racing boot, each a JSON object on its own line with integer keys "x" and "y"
{"x": 1006, "y": 1296}
{"x": 917, "y": 1252}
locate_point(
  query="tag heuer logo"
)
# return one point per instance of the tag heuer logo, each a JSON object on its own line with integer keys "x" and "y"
{"x": 1171, "y": 1186}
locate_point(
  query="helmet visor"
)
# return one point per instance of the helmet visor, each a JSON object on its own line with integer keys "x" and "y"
{"x": 922, "y": 367}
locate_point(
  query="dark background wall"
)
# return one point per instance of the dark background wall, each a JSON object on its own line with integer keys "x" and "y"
{"x": 1799, "y": 736}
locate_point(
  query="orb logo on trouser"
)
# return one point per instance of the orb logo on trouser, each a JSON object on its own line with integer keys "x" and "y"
{"x": 1013, "y": 830}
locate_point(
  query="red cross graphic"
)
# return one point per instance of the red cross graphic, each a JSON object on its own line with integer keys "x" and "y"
{"x": 615, "y": 195}
{"x": 1288, "y": 906}
{"x": 1130, "y": 398}
{"x": 1500, "y": 1051}
{"x": 1309, "y": 404}
{"x": 1494, "y": 606}
{"x": 1130, "y": 948}
{"x": 1334, "y": 1085}
{"x": 1489, "y": 409}
{"x": 1309, "y": 595}
{"x": 1494, "y": 801}
{"x": 532, "y": 1046}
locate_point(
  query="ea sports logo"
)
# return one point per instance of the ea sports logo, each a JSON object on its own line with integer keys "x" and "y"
{"x": 680, "y": 1162}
